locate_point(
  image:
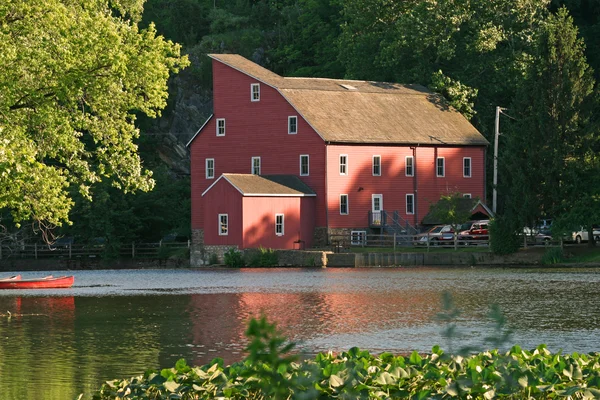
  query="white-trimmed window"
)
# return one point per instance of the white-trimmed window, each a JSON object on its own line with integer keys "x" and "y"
{"x": 358, "y": 238}
{"x": 467, "y": 167}
{"x": 440, "y": 164}
{"x": 279, "y": 225}
{"x": 304, "y": 166}
{"x": 344, "y": 204}
{"x": 467, "y": 195}
{"x": 409, "y": 166}
{"x": 410, "y": 203}
{"x": 292, "y": 125}
{"x": 376, "y": 165}
{"x": 220, "y": 126}
{"x": 343, "y": 164}
{"x": 255, "y": 170}
{"x": 255, "y": 92}
{"x": 223, "y": 224}
{"x": 210, "y": 168}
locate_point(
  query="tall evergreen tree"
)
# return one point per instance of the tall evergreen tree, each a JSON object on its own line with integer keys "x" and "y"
{"x": 546, "y": 158}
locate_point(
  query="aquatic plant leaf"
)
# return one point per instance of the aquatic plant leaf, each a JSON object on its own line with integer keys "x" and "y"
{"x": 335, "y": 381}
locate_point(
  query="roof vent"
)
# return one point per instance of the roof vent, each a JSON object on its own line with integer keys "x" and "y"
{"x": 348, "y": 87}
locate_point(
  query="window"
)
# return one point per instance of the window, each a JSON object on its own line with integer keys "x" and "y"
{"x": 255, "y": 166}
{"x": 279, "y": 224}
{"x": 343, "y": 164}
{"x": 255, "y": 92}
{"x": 358, "y": 238}
{"x": 304, "y": 165}
{"x": 467, "y": 195}
{"x": 343, "y": 204}
{"x": 223, "y": 224}
{"x": 467, "y": 167}
{"x": 376, "y": 165}
{"x": 410, "y": 203}
{"x": 410, "y": 167}
{"x": 439, "y": 162}
{"x": 210, "y": 168}
{"x": 221, "y": 127}
{"x": 292, "y": 125}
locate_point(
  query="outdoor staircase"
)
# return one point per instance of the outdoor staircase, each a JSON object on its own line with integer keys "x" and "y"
{"x": 392, "y": 223}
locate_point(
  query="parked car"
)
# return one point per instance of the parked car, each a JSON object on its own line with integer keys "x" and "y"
{"x": 582, "y": 234}
{"x": 537, "y": 236}
{"x": 439, "y": 234}
{"x": 477, "y": 232}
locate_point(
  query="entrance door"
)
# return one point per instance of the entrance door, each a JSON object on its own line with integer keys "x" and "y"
{"x": 377, "y": 208}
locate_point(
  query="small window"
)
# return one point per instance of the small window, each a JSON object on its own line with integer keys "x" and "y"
{"x": 221, "y": 127}
{"x": 376, "y": 165}
{"x": 467, "y": 167}
{"x": 358, "y": 238}
{"x": 210, "y": 168}
{"x": 343, "y": 204}
{"x": 440, "y": 170}
{"x": 255, "y": 166}
{"x": 223, "y": 225}
{"x": 255, "y": 92}
{"x": 467, "y": 195}
{"x": 292, "y": 125}
{"x": 304, "y": 169}
{"x": 410, "y": 203}
{"x": 343, "y": 164}
{"x": 410, "y": 168}
{"x": 279, "y": 228}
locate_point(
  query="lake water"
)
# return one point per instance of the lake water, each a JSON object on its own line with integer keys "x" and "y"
{"x": 57, "y": 344}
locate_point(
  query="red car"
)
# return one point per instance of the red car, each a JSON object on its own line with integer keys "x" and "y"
{"x": 478, "y": 232}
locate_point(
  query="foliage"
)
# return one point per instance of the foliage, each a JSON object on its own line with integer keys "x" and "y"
{"x": 270, "y": 372}
{"x": 73, "y": 76}
{"x": 504, "y": 238}
{"x": 213, "y": 259}
{"x": 234, "y": 258}
{"x": 553, "y": 255}
{"x": 549, "y": 160}
{"x": 451, "y": 209}
{"x": 263, "y": 258}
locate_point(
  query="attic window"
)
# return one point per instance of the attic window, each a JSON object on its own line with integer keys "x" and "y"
{"x": 255, "y": 92}
{"x": 348, "y": 87}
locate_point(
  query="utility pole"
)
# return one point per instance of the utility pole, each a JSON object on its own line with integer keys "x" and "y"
{"x": 496, "y": 134}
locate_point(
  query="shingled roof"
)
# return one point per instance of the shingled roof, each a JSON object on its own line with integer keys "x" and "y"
{"x": 266, "y": 185}
{"x": 350, "y": 111}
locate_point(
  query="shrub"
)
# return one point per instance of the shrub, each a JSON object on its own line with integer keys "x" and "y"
{"x": 234, "y": 258}
{"x": 264, "y": 258}
{"x": 503, "y": 236}
{"x": 213, "y": 259}
{"x": 553, "y": 255}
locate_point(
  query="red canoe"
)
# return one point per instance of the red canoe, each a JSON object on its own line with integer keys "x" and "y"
{"x": 39, "y": 283}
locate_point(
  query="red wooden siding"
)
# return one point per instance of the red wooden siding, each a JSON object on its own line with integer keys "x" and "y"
{"x": 259, "y": 221}
{"x": 254, "y": 129}
{"x": 223, "y": 199}
{"x": 360, "y": 184}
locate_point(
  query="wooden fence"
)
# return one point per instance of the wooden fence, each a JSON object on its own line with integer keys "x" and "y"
{"x": 134, "y": 250}
{"x": 341, "y": 243}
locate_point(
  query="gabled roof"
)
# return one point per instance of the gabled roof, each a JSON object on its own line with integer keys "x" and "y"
{"x": 266, "y": 185}
{"x": 350, "y": 111}
{"x": 474, "y": 205}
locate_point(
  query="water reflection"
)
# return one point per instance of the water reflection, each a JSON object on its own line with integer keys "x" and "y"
{"x": 57, "y": 344}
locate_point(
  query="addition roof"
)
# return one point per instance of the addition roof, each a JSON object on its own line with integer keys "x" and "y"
{"x": 366, "y": 112}
{"x": 473, "y": 205}
{"x": 266, "y": 185}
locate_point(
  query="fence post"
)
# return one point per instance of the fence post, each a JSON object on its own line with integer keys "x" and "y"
{"x": 132, "y": 249}
{"x": 0, "y": 251}
{"x": 35, "y": 250}
{"x": 394, "y": 241}
{"x": 188, "y": 243}
{"x": 69, "y": 250}
{"x": 428, "y": 242}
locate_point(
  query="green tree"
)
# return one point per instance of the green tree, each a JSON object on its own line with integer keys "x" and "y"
{"x": 549, "y": 158}
{"x": 452, "y": 209}
{"x": 74, "y": 73}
